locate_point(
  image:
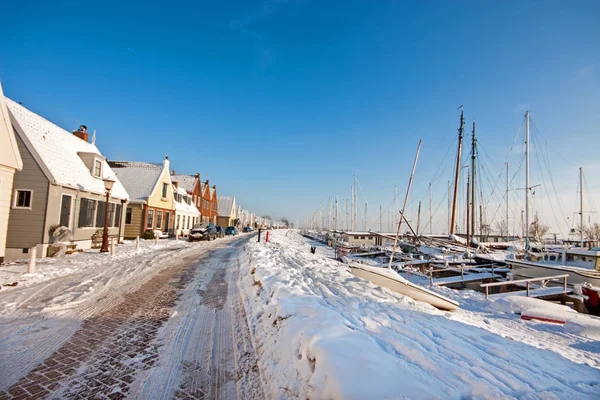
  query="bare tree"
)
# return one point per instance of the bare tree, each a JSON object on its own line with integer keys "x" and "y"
{"x": 486, "y": 230}
{"x": 285, "y": 222}
{"x": 502, "y": 228}
{"x": 537, "y": 229}
{"x": 592, "y": 231}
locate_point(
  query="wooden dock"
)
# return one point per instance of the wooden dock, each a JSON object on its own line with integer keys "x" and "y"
{"x": 539, "y": 292}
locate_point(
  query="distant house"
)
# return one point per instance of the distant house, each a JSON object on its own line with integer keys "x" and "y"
{"x": 209, "y": 204}
{"x": 61, "y": 184}
{"x": 152, "y": 205}
{"x": 227, "y": 211}
{"x": 186, "y": 212}
{"x": 10, "y": 162}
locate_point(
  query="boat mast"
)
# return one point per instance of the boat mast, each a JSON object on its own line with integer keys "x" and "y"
{"x": 366, "y": 219}
{"x": 507, "y": 193}
{"x": 449, "y": 207}
{"x": 405, "y": 201}
{"x": 473, "y": 185}
{"x": 380, "y": 219}
{"x": 430, "y": 216}
{"x": 355, "y": 207}
{"x": 468, "y": 208}
{"x": 526, "y": 227}
{"x": 419, "y": 218}
{"x": 337, "y": 215}
{"x": 581, "y": 204}
{"x": 347, "y": 219}
{"x": 460, "y": 138}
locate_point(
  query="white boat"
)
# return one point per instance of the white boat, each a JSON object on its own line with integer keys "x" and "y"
{"x": 582, "y": 266}
{"x": 390, "y": 279}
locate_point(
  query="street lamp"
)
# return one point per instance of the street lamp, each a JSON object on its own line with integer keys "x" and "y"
{"x": 108, "y": 184}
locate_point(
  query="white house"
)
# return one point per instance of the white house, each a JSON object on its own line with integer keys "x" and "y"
{"x": 186, "y": 212}
{"x": 10, "y": 162}
{"x": 62, "y": 183}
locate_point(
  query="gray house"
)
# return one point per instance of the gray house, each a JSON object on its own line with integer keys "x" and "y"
{"x": 61, "y": 183}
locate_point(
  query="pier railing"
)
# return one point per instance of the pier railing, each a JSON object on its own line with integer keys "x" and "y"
{"x": 528, "y": 282}
{"x": 461, "y": 269}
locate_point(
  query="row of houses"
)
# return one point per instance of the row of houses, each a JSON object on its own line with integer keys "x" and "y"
{"x": 50, "y": 177}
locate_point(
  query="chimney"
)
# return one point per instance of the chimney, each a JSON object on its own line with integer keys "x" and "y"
{"x": 82, "y": 133}
{"x": 172, "y": 172}
{"x": 207, "y": 184}
{"x": 176, "y": 184}
{"x": 215, "y": 187}
{"x": 166, "y": 162}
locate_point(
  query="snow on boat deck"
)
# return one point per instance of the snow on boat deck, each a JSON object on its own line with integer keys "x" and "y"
{"x": 323, "y": 333}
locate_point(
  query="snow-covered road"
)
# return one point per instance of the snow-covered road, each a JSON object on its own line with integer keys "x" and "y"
{"x": 161, "y": 322}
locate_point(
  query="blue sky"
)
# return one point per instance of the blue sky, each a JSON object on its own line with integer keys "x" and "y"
{"x": 282, "y": 102}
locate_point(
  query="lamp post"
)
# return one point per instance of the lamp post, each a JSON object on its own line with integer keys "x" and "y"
{"x": 108, "y": 184}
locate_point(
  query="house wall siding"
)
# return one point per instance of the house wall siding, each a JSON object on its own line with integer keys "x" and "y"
{"x": 224, "y": 221}
{"x": 26, "y": 227}
{"x": 6, "y": 187}
{"x": 54, "y": 208}
{"x": 137, "y": 218}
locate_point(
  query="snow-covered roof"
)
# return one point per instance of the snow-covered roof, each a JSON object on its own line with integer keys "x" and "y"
{"x": 139, "y": 178}
{"x": 211, "y": 192}
{"x": 225, "y": 205}
{"x": 185, "y": 181}
{"x": 57, "y": 151}
{"x": 182, "y": 206}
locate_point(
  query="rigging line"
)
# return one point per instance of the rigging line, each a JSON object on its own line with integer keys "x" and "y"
{"x": 545, "y": 158}
{"x": 544, "y": 185}
{"x": 534, "y": 126}
{"x": 435, "y": 175}
{"x": 442, "y": 201}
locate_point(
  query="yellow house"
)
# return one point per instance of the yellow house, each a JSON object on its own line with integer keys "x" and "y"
{"x": 10, "y": 161}
{"x": 152, "y": 203}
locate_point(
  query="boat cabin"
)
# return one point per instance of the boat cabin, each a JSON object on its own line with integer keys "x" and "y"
{"x": 576, "y": 257}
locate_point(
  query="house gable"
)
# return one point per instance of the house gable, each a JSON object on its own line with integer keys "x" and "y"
{"x": 156, "y": 198}
{"x": 9, "y": 150}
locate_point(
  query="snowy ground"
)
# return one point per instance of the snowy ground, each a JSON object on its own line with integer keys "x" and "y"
{"x": 320, "y": 332}
{"x": 161, "y": 321}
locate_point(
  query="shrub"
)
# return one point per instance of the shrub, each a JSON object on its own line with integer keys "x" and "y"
{"x": 149, "y": 234}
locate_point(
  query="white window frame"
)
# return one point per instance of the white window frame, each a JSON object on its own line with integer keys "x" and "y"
{"x": 71, "y": 216}
{"x": 16, "y": 198}
{"x": 97, "y": 160}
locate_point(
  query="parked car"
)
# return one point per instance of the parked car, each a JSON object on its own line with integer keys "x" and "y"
{"x": 220, "y": 231}
{"x": 231, "y": 230}
{"x": 247, "y": 229}
{"x": 203, "y": 231}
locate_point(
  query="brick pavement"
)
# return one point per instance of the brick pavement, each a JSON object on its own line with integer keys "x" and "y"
{"x": 100, "y": 360}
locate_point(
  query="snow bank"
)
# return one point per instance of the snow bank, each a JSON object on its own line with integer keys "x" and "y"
{"x": 323, "y": 333}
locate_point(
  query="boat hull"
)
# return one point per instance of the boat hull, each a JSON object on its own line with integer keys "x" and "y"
{"x": 402, "y": 286}
{"x": 526, "y": 270}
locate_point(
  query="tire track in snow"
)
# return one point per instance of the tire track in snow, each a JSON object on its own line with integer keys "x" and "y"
{"x": 201, "y": 355}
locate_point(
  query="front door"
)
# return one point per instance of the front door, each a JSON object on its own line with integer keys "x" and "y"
{"x": 167, "y": 215}
{"x": 65, "y": 211}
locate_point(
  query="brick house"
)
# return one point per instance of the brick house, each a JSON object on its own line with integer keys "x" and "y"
{"x": 209, "y": 203}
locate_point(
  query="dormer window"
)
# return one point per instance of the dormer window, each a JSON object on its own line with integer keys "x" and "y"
{"x": 97, "y": 171}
